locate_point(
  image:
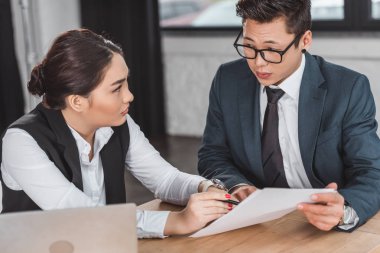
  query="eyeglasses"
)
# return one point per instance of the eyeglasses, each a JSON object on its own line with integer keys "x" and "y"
{"x": 269, "y": 55}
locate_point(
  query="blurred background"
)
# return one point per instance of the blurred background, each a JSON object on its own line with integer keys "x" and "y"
{"x": 173, "y": 48}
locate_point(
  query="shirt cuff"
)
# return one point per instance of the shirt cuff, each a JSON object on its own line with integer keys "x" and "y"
{"x": 353, "y": 219}
{"x": 151, "y": 224}
{"x": 194, "y": 185}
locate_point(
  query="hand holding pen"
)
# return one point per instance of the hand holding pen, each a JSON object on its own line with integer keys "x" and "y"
{"x": 201, "y": 209}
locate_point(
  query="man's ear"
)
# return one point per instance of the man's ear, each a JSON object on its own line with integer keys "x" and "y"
{"x": 77, "y": 103}
{"x": 306, "y": 40}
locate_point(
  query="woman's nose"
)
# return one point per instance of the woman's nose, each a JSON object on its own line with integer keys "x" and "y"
{"x": 128, "y": 96}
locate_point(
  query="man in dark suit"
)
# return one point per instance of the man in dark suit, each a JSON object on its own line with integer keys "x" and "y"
{"x": 280, "y": 117}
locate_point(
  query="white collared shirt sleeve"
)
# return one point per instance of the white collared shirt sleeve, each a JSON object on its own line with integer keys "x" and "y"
{"x": 151, "y": 224}
{"x": 353, "y": 219}
{"x": 161, "y": 178}
{"x": 146, "y": 164}
{"x": 25, "y": 166}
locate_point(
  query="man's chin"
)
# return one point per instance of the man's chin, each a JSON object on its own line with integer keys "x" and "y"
{"x": 269, "y": 82}
{"x": 265, "y": 82}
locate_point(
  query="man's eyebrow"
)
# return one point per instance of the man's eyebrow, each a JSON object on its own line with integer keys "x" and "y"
{"x": 248, "y": 38}
{"x": 270, "y": 42}
{"x": 267, "y": 41}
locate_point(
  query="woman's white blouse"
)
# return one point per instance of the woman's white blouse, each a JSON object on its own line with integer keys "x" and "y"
{"x": 25, "y": 166}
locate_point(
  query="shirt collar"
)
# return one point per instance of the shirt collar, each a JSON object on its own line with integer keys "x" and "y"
{"x": 291, "y": 85}
{"x": 102, "y": 136}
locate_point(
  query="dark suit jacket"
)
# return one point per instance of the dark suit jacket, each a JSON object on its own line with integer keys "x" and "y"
{"x": 337, "y": 131}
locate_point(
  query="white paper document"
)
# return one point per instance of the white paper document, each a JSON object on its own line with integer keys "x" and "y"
{"x": 261, "y": 206}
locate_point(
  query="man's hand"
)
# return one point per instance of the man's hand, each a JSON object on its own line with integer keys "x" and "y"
{"x": 327, "y": 212}
{"x": 242, "y": 192}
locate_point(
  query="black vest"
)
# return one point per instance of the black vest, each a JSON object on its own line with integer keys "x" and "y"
{"x": 49, "y": 129}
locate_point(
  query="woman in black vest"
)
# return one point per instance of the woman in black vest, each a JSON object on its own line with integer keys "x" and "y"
{"x": 73, "y": 148}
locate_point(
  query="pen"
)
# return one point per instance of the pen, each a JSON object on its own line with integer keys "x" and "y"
{"x": 231, "y": 201}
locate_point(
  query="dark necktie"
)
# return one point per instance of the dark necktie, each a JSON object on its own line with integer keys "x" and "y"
{"x": 270, "y": 146}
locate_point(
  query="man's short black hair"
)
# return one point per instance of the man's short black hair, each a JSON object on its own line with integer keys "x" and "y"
{"x": 296, "y": 13}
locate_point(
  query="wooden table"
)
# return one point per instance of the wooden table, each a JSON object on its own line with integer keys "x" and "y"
{"x": 292, "y": 233}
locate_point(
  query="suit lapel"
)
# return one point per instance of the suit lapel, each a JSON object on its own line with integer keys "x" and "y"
{"x": 249, "y": 111}
{"x": 310, "y": 109}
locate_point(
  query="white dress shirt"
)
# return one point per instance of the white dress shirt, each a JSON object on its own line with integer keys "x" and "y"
{"x": 288, "y": 127}
{"x": 25, "y": 166}
{"x": 288, "y": 134}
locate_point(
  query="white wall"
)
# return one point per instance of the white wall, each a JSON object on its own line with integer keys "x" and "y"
{"x": 47, "y": 19}
{"x": 190, "y": 64}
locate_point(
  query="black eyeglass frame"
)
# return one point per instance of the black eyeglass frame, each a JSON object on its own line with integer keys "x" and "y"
{"x": 262, "y": 51}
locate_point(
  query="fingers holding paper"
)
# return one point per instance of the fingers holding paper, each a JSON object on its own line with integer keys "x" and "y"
{"x": 201, "y": 209}
{"x": 327, "y": 210}
{"x": 242, "y": 192}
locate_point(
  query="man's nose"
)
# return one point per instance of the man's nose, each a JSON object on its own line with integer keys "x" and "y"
{"x": 259, "y": 60}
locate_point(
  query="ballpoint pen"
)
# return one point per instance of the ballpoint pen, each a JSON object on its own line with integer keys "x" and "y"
{"x": 231, "y": 201}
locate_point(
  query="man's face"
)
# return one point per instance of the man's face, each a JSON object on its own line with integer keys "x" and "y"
{"x": 274, "y": 36}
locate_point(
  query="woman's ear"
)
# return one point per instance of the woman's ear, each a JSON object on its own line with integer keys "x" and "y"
{"x": 76, "y": 103}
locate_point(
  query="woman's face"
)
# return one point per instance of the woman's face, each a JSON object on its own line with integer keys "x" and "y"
{"x": 109, "y": 101}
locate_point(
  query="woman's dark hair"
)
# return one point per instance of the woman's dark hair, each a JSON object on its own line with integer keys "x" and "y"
{"x": 75, "y": 64}
{"x": 296, "y": 12}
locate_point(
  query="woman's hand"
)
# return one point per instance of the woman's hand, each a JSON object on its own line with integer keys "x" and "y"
{"x": 201, "y": 209}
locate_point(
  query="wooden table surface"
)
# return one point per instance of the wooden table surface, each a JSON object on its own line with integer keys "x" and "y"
{"x": 291, "y": 233}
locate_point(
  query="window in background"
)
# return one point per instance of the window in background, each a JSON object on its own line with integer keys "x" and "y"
{"x": 198, "y": 13}
{"x": 375, "y": 9}
{"x": 327, "y": 9}
{"x": 221, "y": 14}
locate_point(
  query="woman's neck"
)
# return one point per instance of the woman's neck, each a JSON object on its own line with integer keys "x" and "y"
{"x": 75, "y": 121}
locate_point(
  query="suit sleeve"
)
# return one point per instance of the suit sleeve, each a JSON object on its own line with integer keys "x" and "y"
{"x": 215, "y": 160}
{"x": 361, "y": 152}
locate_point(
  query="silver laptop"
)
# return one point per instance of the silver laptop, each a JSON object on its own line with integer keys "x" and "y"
{"x": 109, "y": 228}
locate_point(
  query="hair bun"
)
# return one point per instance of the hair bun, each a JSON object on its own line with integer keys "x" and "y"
{"x": 36, "y": 84}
